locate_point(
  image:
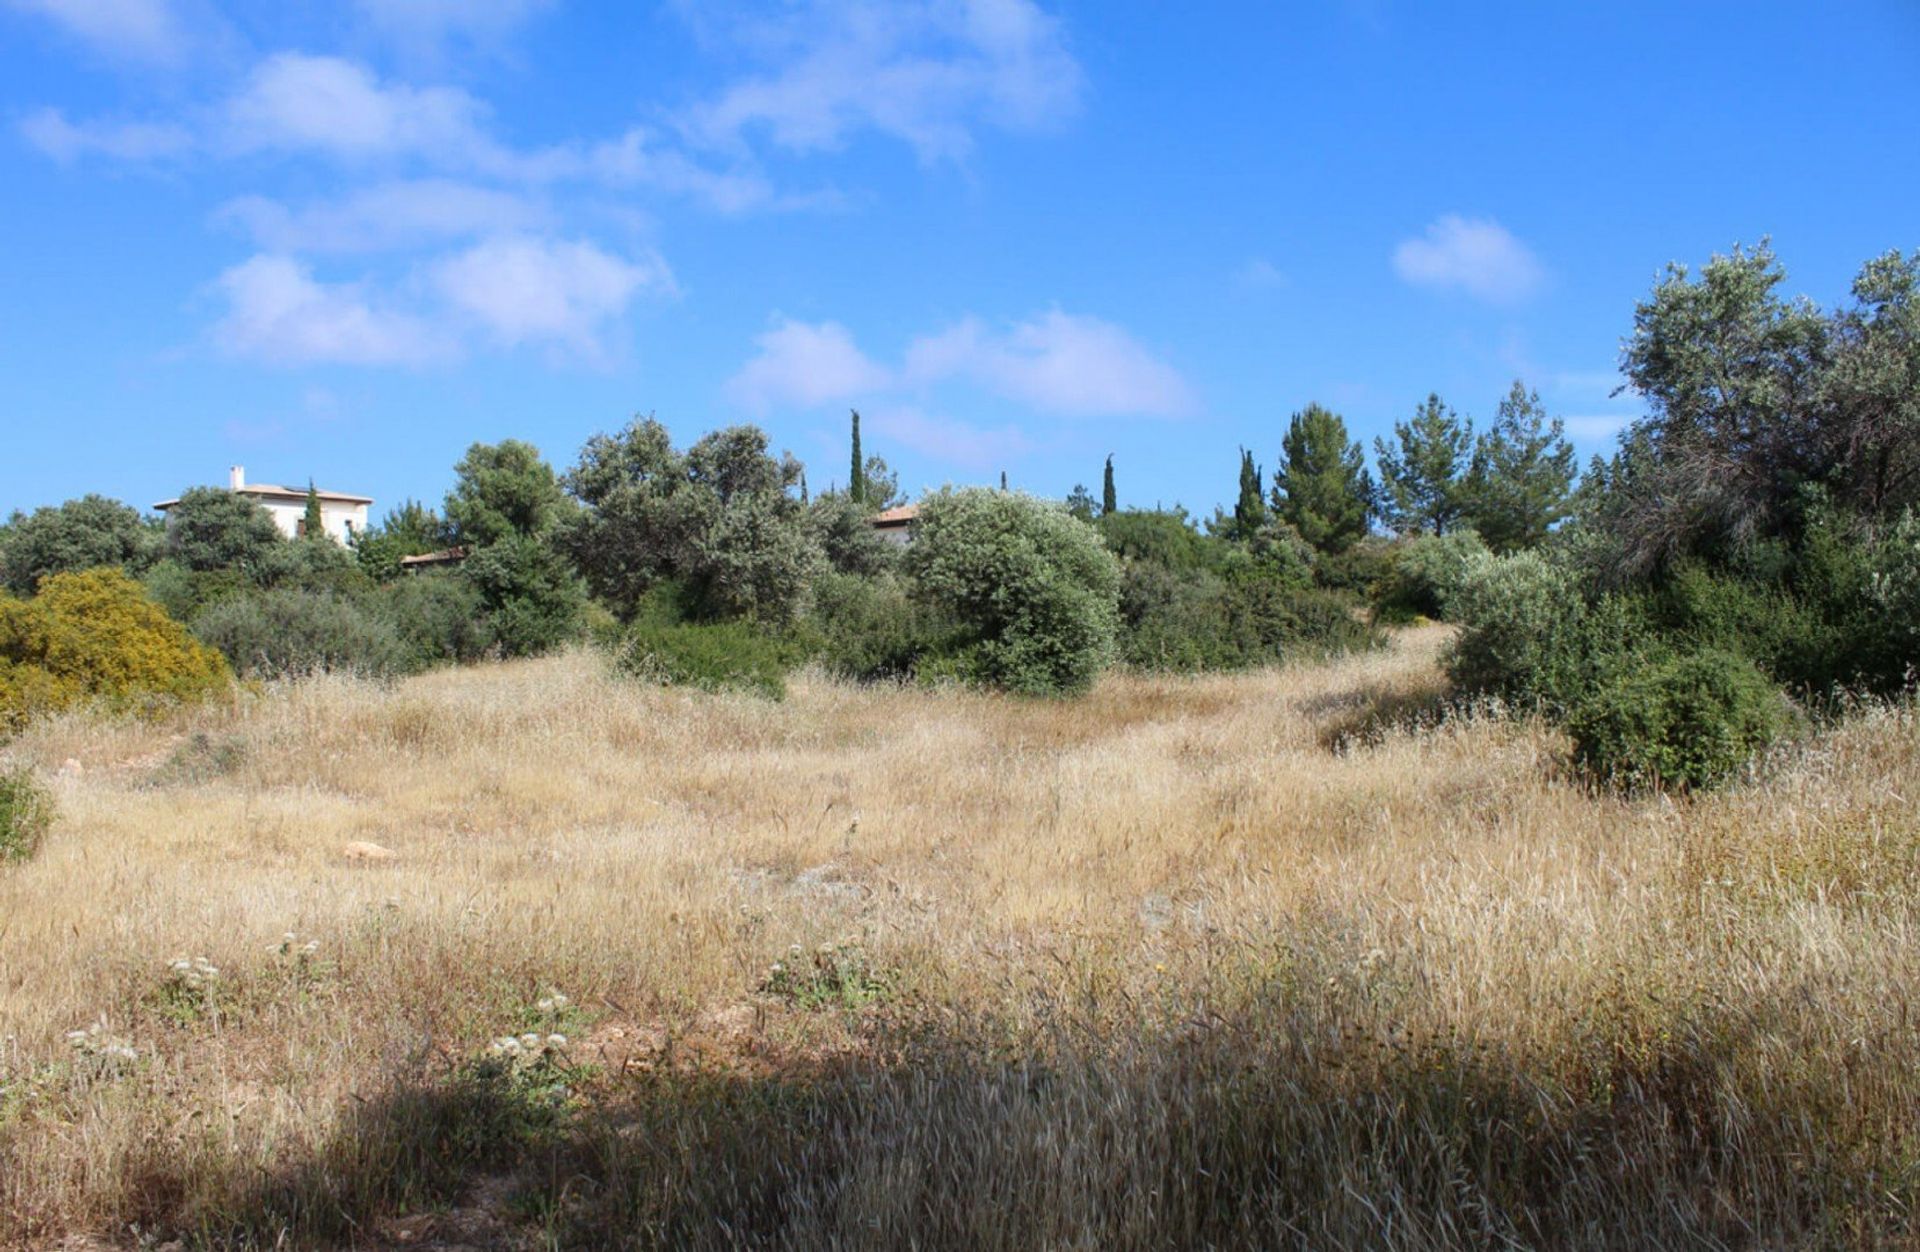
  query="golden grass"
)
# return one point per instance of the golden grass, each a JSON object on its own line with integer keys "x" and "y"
{"x": 1157, "y": 967}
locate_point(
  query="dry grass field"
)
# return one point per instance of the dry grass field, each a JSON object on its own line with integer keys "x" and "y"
{"x": 1248, "y": 960}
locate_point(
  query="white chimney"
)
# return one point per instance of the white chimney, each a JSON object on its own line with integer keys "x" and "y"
{"x": 236, "y": 477}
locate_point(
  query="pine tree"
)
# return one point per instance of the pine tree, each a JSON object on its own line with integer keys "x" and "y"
{"x": 1321, "y": 487}
{"x": 857, "y": 484}
{"x": 1423, "y": 474}
{"x": 1250, "y": 510}
{"x": 1108, "y": 500}
{"x": 1521, "y": 482}
{"x": 313, "y": 525}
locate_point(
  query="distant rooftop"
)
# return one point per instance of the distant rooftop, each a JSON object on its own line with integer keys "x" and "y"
{"x": 238, "y": 484}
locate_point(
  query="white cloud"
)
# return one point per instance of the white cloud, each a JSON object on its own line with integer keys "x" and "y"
{"x": 1057, "y": 363}
{"x": 278, "y": 312}
{"x": 806, "y": 365}
{"x": 969, "y": 446}
{"x": 927, "y": 73}
{"x": 399, "y": 214}
{"x": 65, "y": 141}
{"x": 317, "y": 103}
{"x": 522, "y": 289}
{"x": 145, "y": 30}
{"x": 1476, "y": 255}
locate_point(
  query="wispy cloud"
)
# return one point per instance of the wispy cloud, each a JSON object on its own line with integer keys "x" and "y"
{"x": 928, "y": 73}
{"x": 141, "y": 30}
{"x": 1476, "y": 255}
{"x": 1260, "y": 274}
{"x": 279, "y": 313}
{"x": 949, "y": 440}
{"x": 427, "y": 26}
{"x": 1058, "y": 363}
{"x": 386, "y": 216}
{"x": 806, "y": 365}
{"x": 558, "y": 292}
{"x": 65, "y": 141}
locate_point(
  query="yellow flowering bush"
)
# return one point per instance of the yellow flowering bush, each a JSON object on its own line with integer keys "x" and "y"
{"x": 96, "y": 636}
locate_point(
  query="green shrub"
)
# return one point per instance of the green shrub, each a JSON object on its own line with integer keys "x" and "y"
{"x": 1425, "y": 574}
{"x": 288, "y": 633}
{"x": 1032, "y": 590}
{"x": 1275, "y": 621}
{"x": 26, "y": 811}
{"x": 712, "y": 656}
{"x": 438, "y": 618}
{"x": 869, "y": 629}
{"x": 532, "y": 598}
{"x": 1685, "y": 723}
{"x": 96, "y": 636}
{"x": 1523, "y": 620}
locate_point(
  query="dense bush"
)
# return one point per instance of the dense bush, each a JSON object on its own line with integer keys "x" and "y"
{"x": 531, "y": 596}
{"x": 289, "y": 633}
{"x": 96, "y": 635}
{"x": 438, "y": 617}
{"x": 1523, "y": 619}
{"x": 1689, "y": 722}
{"x": 712, "y": 656}
{"x": 1424, "y": 574}
{"x": 870, "y": 629}
{"x": 78, "y": 535}
{"x": 211, "y": 528}
{"x": 1031, "y": 590}
{"x": 26, "y": 811}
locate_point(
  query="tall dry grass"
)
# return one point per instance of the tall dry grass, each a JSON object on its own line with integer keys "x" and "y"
{"x": 1258, "y": 960}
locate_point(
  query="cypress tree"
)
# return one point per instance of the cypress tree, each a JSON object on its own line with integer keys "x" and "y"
{"x": 314, "y": 525}
{"x": 1108, "y": 500}
{"x": 1250, "y": 510}
{"x": 1003, "y": 480}
{"x": 857, "y": 482}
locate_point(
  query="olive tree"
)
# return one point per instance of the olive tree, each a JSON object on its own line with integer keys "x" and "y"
{"x": 1032, "y": 590}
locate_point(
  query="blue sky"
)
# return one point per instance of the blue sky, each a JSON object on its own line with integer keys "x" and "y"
{"x": 344, "y": 240}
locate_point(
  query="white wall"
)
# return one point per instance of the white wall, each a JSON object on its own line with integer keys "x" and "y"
{"x": 340, "y": 520}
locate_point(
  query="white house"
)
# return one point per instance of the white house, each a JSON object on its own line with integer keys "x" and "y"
{"x": 343, "y": 516}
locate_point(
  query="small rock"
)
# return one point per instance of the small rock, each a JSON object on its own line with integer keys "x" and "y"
{"x": 360, "y": 850}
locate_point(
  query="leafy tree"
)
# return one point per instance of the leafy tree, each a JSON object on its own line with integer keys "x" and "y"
{"x": 1080, "y": 503}
{"x": 846, "y": 538}
{"x": 313, "y": 525}
{"x": 212, "y": 528}
{"x": 880, "y": 485}
{"x": 532, "y": 598}
{"x": 78, "y": 535}
{"x": 720, "y": 519}
{"x": 1109, "y": 501}
{"x": 1250, "y": 510}
{"x": 502, "y": 490}
{"x": 1032, "y": 589}
{"x": 1321, "y": 487}
{"x": 1423, "y": 473}
{"x": 507, "y": 507}
{"x": 1521, "y": 481}
{"x": 409, "y": 530}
